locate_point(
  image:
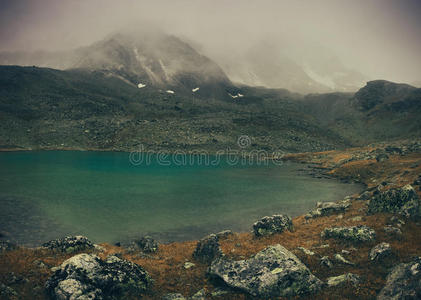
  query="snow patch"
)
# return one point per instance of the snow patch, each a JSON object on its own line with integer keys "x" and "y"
{"x": 195, "y": 90}
{"x": 238, "y": 95}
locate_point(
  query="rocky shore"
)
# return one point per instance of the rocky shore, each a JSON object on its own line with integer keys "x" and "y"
{"x": 366, "y": 246}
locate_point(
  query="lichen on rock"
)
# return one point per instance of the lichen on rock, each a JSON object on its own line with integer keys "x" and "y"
{"x": 272, "y": 272}
{"x": 359, "y": 233}
{"x": 403, "y": 201}
{"x": 86, "y": 276}
{"x": 274, "y": 224}
{"x": 69, "y": 244}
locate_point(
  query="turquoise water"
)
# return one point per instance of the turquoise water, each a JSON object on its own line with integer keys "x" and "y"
{"x": 44, "y": 195}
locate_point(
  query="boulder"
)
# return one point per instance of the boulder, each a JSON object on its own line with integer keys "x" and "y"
{"x": 359, "y": 233}
{"x": 146, "y": 244}
{"x": 273, "y": 224}
{"x": 339, "y": 258}
{"x": 86, "y": 276}
{"x": 70, "y": 244}
{"x": 390, "y": 230}
{"x": 328, "y": 208}
{"x": 224, "y": 234}
{"x": 342, "y": 279}
{"x": 403, "y": 282}
{"x": 306, "y": 251}
{"x": 7, "y": 246}
{"x": 6, "y": 292}
{"x": 403, "y": 201}
{"x": 173, "y": 296}
{"x": 208, "y": 249}
{"x": 380, "y": 251}
{"x": 272, "y": 272}
{"x": 364, "y": 196}
{"x": 325, "y": 261}
{"x": 382, "y": 157}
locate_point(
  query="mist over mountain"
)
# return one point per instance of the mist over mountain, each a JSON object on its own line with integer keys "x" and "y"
{"x": 270, "y": 65}
{"x": 142, "y": 59}
{"x": 156, "y": 58}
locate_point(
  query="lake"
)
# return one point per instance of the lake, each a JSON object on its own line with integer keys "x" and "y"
{"x": 110, "y": 197}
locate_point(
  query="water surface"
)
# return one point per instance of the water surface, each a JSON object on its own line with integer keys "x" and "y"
{"x": 44, "y": 195}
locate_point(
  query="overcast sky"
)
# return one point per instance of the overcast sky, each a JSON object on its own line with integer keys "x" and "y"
{"x": 380, "y": 38}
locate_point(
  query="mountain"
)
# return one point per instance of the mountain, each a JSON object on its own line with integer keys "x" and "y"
{"x": 379, "y": 111}
{"x": 43, "y": 108}
{"x": 269, "y": 65}
{"x": 378, "y": 93}
{"x": 141, "y": 59}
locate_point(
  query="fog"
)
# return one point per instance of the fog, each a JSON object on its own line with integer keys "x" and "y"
{"x": 378, "y": 38}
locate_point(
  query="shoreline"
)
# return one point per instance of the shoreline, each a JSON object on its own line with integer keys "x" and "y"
{"x": 362, "y": 165}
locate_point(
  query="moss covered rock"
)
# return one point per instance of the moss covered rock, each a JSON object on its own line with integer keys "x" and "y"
{"x": 403, "y": 201}
{"x": 272, "y": 272}
{"x": 273, "y": 224}
{"x": 86, "y": 276}
{"x": 69, "y": 244}
{"x": 359, "y": 233}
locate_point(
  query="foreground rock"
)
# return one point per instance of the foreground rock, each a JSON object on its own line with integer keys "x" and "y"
{"x": 271, "y": 225}
{"x": 328, "y": 208}
{"x": 359, "y": 233}
{"x": 146, "y": 244}
{"x": 380, "y": 251}
{"x": 403, "y": 282}
{"x": 343, "y": 279}
{"x": 208, "y": 249}
{"x": 7, "y": 246}
{"x": 403, "y": 201}
{"x": 272, "y": 272}
{"x": 86, "y": 276}
{"x": 70, "y": 244}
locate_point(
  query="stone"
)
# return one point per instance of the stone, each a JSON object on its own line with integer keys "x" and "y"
{"x": 343, "y": 260}
{"x": 364, "y": 196}
{"x": 382, "y": 157}
{"x": 6, "y": 292}
{"x": 325, "y": 261}
{"x": 328, "y": 208}
{"x": 403, "y": 201}
{"x": 69, "y": 244}
{"x": 173, "y": 296}
{"x": 390, "y": 230}
{"x": 356, "y": 219}
{"x": 7, "y": 246}
{"x": 272, "y": 272}
{"x": 343, "y": 279}
{"x": 224, "y": 234}
{"x": 187, "y": 265}
{"x": 403, "y": 282}
{"x": 146, "y": 244}
{"x": 380, "y": 251}
{"x": 306, "y": 251}
{"x": 208, "y": 249}
{"x": 359, "y": 233}
{"x": 218, "y": 292}
{"x": 272, "y": 225}
{"x": 86, "y": 276}
{"x": 200, "y": 295}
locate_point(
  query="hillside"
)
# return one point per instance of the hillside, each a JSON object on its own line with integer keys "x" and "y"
{"x": 83, "y": 109}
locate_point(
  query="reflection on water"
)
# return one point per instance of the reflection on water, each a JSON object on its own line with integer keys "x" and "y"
{"x": 44, "y": 195}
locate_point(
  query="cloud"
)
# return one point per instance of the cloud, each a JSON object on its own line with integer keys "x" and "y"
{"x": 380, "y": 38}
